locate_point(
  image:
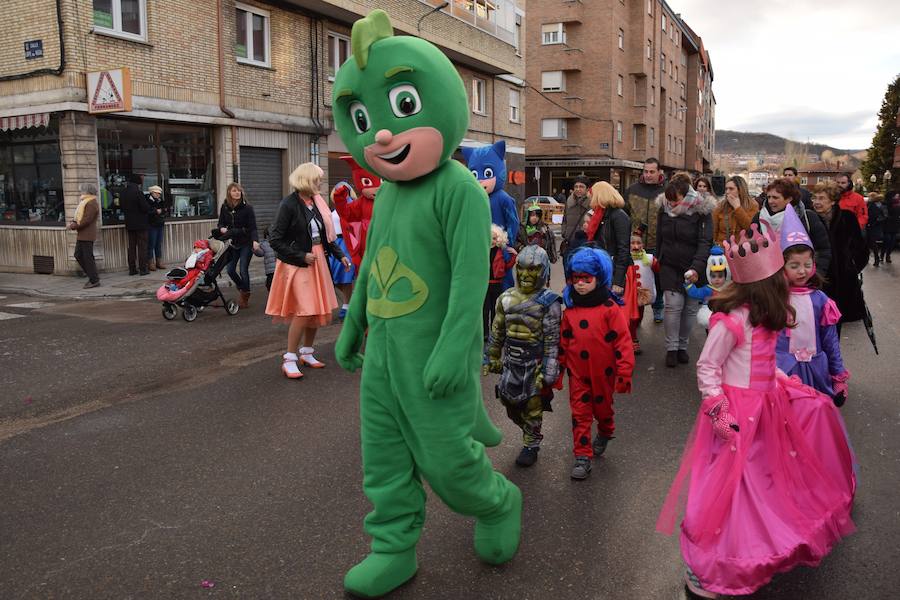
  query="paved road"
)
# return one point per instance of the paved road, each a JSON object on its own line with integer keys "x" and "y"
{"x": 140, "y": 457}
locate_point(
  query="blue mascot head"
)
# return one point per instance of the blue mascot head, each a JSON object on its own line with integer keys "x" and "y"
{"x": 488, "y": 165}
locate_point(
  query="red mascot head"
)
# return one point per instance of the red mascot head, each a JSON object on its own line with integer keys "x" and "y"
{"x": 366, "y": 183}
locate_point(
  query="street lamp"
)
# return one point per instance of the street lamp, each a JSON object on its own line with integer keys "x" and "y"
{"x": 873, "y": 179}
{"x": 887, "y": 179}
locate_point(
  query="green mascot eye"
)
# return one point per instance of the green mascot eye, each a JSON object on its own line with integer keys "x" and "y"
{"x": 360, "y": 117}
{"x": 405, "y": 100}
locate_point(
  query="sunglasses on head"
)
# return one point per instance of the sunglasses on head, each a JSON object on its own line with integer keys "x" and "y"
{"x": 582, "y": 278}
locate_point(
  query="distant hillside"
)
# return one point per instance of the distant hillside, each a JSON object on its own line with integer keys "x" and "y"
{"x": 741, "y": 142}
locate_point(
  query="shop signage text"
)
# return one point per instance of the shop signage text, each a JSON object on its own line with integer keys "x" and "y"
{"x": 34, "y": 49}
{"x": 109, "y": 91}
{"x": 585, "y": 162}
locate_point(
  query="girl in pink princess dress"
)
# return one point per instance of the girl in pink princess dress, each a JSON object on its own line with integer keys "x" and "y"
{"x": 759, "y": 500}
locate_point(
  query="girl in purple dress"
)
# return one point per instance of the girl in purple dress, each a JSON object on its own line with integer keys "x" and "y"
{"x": 811, "y": 349}
{"x": 763, "y": 496}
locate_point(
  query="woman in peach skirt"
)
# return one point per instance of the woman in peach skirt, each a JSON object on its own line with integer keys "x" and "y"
{"x": 302, "y": 291}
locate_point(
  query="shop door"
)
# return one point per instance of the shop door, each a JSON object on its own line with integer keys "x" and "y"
{"x": 262, "y": 178}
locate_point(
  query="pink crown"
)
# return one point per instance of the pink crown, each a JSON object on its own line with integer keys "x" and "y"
{"x": 748, "y": 264}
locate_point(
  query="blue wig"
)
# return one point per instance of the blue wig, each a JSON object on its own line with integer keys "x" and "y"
{"x": 592, "y": 261}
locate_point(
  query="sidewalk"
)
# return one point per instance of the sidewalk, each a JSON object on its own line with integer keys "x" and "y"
{"x": 112, "y": 285}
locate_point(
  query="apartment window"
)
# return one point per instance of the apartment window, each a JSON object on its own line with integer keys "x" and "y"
{"x": 676, "y": 73}
{"x": 553, "y": 33}
{"x": 338, "y": 52}
{"x": 621, "y": 39}
{"x": 668, "y": 143}
{"x": 671, "y": 66}
{"x": 122, "y": 18}
{"x": 478, "y": 92}
{"x": 553, "y": 129}
{"x": 652, "y": 137}
{"x": 620, "y": 82}
{"x": 652, "y": 95}
{"x": 649, "y": 49}
{"x": 650, "y": 7}
{"x": 553, "y": 81}
{"x": 682, "y": 90}
{"x": 803, "y": 180}
{"x": 683, "y": 59}
{"x": 251, "y": 44}
{"x": 662, "y": 59}
{"x": 485, "y": 9}
{"x": 514, "y": 106}
{"x": 664, "y": 22}
{"x": 618, "y": 131}
{"x": 518, "y": 35}
{"x": 637, "y": 137}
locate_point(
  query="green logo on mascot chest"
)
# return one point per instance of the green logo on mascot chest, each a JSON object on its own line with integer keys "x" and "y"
{"x": 394, "y": 289}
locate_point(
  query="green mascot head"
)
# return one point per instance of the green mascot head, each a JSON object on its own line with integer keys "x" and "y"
{"x": 399, "y": 104}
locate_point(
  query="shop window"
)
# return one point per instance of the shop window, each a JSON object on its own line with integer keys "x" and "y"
{"x": 178, "y": 158}
{"x": 31, "y": 176}
{"x": 338, "y": 52}
{"x": 251, "y": 45}
{"x": 121, "y": 18}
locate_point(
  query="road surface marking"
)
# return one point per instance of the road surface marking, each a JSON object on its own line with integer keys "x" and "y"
{"x": 30, "y": 305}
{"x": 4, "y": 316}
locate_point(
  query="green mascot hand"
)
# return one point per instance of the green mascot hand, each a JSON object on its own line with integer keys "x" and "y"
{"x": 445, "y": 372}
{"x": 346, "y": 350}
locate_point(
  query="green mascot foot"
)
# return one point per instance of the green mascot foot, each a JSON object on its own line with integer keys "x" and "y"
{"x": 484, "y": 430}
{"x": 496, "y": 541}
{"x": 379, "y": 573}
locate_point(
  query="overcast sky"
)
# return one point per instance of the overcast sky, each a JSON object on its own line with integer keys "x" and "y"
{"x": 803, "y": 69}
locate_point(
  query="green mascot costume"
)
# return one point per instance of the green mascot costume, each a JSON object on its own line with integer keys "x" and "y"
{"x": 401, "y": 109}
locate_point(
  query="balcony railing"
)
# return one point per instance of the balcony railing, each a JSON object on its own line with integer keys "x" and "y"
{"x": 496, "y": 17}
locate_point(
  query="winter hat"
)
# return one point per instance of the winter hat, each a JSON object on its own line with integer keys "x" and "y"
{"x": 155, "y": 188}
{"x": 793, "y": 233}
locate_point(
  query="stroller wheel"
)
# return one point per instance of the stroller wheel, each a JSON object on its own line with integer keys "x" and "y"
{"x": 189, "y": 313}
{"x": 232, "y": 307}
{"x": 169, "y": 311}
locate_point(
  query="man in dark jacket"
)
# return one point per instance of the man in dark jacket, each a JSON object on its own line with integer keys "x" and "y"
{"x": 137, "y": 221}
{"x": 640, "y": 203}
{"x": 790, "y": 173}
{"x": 875, "y": 226}
{"x": 577, "y": 205}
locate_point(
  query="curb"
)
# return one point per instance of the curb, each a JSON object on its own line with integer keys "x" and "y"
{"x": 104, "y": 294}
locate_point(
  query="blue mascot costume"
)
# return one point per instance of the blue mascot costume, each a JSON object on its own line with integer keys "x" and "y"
{"x": 488, "y": 165}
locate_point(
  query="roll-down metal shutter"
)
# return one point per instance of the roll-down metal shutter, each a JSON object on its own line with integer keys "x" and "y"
{"x": 262, "y": 178}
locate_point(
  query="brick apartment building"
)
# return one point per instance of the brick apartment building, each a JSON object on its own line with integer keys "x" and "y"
{"x": 203, "y": 93}
{"x": 611, "y": 83}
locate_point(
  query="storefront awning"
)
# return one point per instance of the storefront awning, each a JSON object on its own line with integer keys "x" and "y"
{"x": 24, "y": 121}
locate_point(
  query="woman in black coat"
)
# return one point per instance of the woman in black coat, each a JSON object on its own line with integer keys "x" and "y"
{"x": 302, "y": 292}
{"x": 237, "y": 222}
{"x": 849, "y": 254}
{"x": 683, "y": 239}
{"x": 613, "y": 233}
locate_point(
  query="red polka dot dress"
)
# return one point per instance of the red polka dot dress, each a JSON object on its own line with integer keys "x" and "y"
{"x": 596, "y": 350}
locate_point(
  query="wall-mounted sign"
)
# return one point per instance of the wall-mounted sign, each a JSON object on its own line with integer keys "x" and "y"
{"x": 109, "y": 91}
{"x": 34, "y": 49}
{"x": 604, "y": 145}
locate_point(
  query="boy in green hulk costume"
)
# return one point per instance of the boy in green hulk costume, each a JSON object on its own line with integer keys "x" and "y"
{"x": 401, "y": 109}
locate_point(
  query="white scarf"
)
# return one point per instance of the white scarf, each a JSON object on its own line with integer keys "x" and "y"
{"x": 767, "y": 219}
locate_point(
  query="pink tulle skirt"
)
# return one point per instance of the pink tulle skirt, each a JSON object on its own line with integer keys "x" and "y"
{"x": 302, "y": 292}
{"x": 776, "y": 496}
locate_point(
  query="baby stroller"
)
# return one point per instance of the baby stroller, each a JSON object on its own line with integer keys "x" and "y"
{"x": 194, "y": 287}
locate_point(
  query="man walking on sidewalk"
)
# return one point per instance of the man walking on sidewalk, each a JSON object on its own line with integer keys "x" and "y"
{"x": 137, "y": 222}
{"x": 85, "y": 224}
